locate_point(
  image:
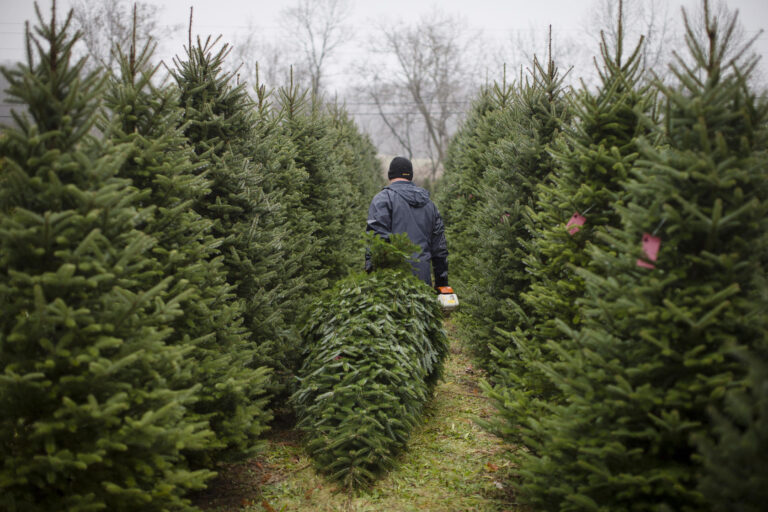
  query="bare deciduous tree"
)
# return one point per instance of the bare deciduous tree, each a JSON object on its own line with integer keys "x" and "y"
{"x": 422, "y": 73}
{"x": 399, "y": 122}
{"x": 261, "y": 61}
{"x": 107, "y": 23}
{"x": 317, "y": 28}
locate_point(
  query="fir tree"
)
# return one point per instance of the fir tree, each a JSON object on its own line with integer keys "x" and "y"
{"x": 466, "y": 161}
{"x": 146, "y": 118}
{"x": 328, "y": 192}
{"x": 735, "y": 476}
{"x": 504, "y": 225}
{"x": 89, "y": 420}
{"x": 362, "y": 168}
{"x": 658, "y": 325}
{"x": 591, "y": 164}
{"x": 218, "y": 122}
{"x": 274, "y": 154}
{"x": 375, "y": 349}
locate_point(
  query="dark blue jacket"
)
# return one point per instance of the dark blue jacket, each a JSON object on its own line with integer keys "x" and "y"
{"x": 402, "y": 207}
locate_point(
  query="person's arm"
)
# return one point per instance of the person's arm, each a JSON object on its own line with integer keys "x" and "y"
{"x": 379, "y": 221}
{"x": 380, "y": 215}
{"x": 439, "y": 250}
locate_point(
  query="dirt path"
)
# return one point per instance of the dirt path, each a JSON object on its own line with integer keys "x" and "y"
{"x": 451, "y": 464}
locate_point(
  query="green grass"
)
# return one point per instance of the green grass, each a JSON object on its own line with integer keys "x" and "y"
{"x": 451, "y": 464}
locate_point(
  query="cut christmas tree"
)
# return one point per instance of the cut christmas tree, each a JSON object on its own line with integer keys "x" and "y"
{"x": 375, "y": 349}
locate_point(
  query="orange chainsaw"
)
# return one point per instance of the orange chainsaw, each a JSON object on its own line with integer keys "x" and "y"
{"x": 447, "y": 298}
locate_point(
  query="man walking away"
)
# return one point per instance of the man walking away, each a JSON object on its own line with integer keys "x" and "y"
{"x": 402, "y": 207}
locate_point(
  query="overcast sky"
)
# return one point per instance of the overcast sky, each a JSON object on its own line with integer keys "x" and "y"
{"x": 495, "y": 19}
{"x": 497, "y": 23}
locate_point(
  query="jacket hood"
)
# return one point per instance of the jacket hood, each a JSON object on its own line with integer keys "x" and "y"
{"x": 413, "y": 195}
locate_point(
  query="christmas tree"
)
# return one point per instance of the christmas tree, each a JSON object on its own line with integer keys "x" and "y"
{"x": 89, "y": 421}
{"x": 247, "y": 213}
{"x": 458, "y": 196}
{"x": 361, "y": 166}
{"x": 504, "y": 225}
{"x": 668, "y": 297}
{"x": 591, "y": 162}
{"x": 273, "y": 155}
{"x": 735, "y": 476}
{"x": 375, "y": 349}
{"x": 146, "y": 119}
{"x": 328, "y": 191}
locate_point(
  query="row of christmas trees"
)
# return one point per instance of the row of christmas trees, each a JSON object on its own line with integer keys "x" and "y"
{"x": 610, "y": 245}
{"x": 159, "y": 243}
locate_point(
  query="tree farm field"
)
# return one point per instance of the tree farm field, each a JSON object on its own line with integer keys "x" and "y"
{"x": 451, "y": 463}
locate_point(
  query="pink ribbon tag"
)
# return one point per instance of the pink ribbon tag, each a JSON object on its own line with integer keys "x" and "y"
{"x": 575, "y": 221}
{"x": 651, "y": 246}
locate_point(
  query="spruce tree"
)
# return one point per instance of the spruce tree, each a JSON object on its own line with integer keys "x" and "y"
{"x": 89, "y": 421}
{"x": 146, "y": 118}
{"x": 659, "y": 322}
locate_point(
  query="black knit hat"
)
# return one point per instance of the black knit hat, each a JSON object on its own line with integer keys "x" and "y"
{"x": 400, "y": 167}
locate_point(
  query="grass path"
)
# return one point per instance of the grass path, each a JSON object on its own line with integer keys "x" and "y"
{"x": 451, "y": 464}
